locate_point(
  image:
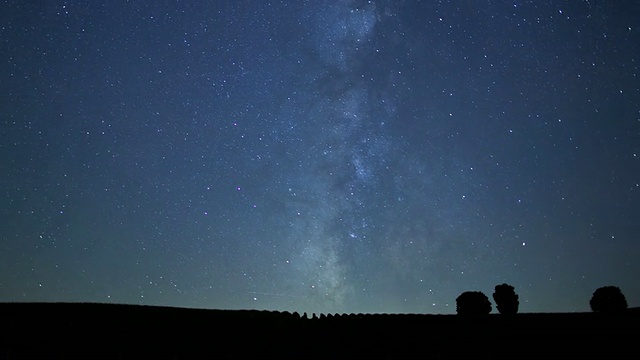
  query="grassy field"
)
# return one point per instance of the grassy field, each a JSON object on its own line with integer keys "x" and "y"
{"x": 83, "y": 330}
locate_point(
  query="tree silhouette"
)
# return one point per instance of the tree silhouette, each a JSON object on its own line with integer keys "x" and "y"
{"x": 473, "y": 303}
{"x": 608, "y": 299}
{"x": 506, "y": 299}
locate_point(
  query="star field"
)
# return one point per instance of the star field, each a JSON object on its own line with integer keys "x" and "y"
{"x": 347, "y": 156}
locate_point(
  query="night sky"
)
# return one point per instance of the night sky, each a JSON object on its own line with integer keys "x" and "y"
{"x": 319, "y": 156}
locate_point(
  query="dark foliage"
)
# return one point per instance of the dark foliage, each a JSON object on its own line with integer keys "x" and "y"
{"x": 473, "y": 303}
{"x": 608, "y": 299}
{"x": 108, "y": 331}
{"x": 506, "y": 299}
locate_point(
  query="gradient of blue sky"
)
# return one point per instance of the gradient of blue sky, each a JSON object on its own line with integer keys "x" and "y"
{"x": 343, "y": 156}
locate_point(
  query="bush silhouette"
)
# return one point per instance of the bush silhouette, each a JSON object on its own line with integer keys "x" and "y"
{"x": 506, "y": 299}
{"x": 473, "y": 303}
{"x": 608, "y": 299}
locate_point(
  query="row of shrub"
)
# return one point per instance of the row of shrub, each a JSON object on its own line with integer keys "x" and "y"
{"x": 607, "y": 299}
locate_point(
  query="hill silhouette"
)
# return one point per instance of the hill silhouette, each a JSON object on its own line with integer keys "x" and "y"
{"x": 110, "y": 331}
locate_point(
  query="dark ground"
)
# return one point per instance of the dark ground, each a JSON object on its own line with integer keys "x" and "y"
{"x": 64, "y": 330}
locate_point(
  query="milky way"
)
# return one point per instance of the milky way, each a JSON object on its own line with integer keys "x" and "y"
{"x": 350, "y": 156}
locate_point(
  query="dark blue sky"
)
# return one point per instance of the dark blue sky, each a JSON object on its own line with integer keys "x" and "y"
{"x": 342, "y": 156}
